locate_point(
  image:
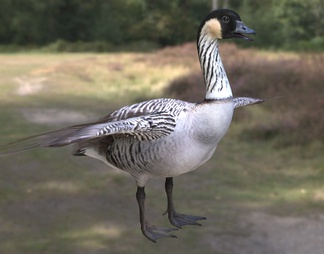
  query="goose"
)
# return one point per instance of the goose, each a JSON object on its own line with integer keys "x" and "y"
{"x": 161, "y": 137}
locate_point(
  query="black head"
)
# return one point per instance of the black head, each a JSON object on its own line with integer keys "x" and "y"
{"x": 224, "y": 24}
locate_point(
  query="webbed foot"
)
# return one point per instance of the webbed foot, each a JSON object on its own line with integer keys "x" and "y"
{"x": 178, "y": 220}
{"x": 154, "y": 233}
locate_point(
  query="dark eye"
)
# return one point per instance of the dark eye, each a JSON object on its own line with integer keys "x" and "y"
{"x": 225, "y": 19}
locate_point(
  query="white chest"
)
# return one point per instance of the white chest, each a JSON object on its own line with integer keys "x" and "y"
{"x": 197, "y": 136}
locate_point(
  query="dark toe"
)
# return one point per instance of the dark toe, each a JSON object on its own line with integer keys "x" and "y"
{"x": 154, "y": 233}
{"x": 179, "y": 220}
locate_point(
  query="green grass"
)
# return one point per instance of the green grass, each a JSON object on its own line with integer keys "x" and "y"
{"x": 51, "y": 202}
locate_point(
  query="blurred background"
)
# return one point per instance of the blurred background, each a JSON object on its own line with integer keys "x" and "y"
{"x": 99, "y": 25}
{"x": 66, "y": 62}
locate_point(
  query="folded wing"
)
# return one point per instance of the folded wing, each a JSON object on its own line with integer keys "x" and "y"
{"x": 145, "y": 127}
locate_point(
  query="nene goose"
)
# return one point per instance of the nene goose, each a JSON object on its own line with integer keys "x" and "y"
{"x": 161, "y": 137}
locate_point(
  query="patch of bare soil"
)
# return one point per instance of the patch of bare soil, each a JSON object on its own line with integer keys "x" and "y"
{"x": 29, "y": 86}
{"x": 271, "y": 234}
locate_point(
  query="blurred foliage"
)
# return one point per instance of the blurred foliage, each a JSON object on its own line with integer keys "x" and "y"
{"x": 286, "y": 24}
{"x": 116, "y": 21}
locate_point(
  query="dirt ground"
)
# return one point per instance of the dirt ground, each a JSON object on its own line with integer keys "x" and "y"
{"x": 263, "y": 233}
{"x": 270, "y": 234}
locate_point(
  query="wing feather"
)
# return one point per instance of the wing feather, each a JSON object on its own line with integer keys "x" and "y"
{"x": 148, "y": 127}
{"x": 43, "y": 140}
{"x": 147, "y": 120}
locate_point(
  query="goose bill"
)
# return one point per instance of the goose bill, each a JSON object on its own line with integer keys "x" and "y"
{"x": 242, "y": 29}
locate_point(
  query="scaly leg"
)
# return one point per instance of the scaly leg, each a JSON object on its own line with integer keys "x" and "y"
{"x": 176, "y": 219}
{"x": 149, "y": 231}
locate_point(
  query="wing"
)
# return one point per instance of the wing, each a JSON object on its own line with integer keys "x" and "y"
{"x": 42, "y": 140}
{"x": 147, "y": 120}
{"x": 147, "y": 127}
{"x": 172, "y": 106}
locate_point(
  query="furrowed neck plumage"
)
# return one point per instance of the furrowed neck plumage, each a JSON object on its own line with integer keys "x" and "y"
{"x": 217, "y": 83}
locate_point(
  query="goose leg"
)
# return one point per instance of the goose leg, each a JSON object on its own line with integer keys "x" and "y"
{"x": 149, "y": 231}
{"x": 176, "y": 219}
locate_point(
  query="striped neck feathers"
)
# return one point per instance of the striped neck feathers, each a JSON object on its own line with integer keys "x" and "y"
{"x": 217, "y": 83}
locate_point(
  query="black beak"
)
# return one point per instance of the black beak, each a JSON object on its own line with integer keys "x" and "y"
{"x": 242, "y": 29}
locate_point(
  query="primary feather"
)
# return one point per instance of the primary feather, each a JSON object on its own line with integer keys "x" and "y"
{"x": 143, "y": 121}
